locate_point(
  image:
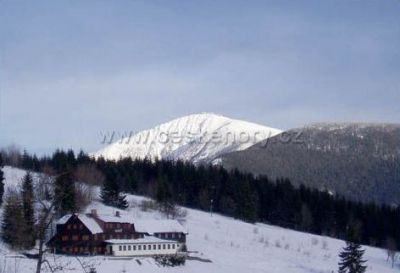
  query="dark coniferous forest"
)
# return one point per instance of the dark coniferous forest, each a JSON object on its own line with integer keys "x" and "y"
{"x": 232, "y": 193}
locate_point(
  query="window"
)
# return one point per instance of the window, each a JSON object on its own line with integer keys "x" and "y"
{"x": 95, "y": 237}
{"x": 173, "y": 246}
{"x": 169, "y": 246}
{"x": 129, "y": 248}
{"x": 75, "y": 238}
{"x": 68, "y": 226}
{"x": 139, "y": 247}
{"x": 80, "y": 226}
{"x": 74, "y": 226}
{"x": 163, "y": 246}
{"x": 124, "y": 248}
{"x": 85, "y": 237}
{"x": 120, "y": 248}
{"x": 76, "y": 249}
{"x": 134, "y": 248}
{"x": 64, "y": 238}
{"x": 149, "y": 247}
{"x": 154, "y": 246}
{"x": 159, "y": 246}
{"x": 144, "y": 247}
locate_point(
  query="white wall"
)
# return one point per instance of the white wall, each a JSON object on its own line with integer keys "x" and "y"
{"x": 174, "y": 247}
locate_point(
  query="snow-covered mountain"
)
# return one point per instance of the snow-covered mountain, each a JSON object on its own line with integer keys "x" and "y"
{"x": 196, "y": 138}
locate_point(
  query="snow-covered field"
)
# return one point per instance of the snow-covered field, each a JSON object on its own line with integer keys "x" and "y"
{"x": 231, "y": 245}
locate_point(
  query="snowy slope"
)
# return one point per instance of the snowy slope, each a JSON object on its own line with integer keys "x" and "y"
{"x": 232, "y": 246}
{"x": 195, "y": 138}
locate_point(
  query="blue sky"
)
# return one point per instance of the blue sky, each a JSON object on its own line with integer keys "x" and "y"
{"x": 70, "y": 70}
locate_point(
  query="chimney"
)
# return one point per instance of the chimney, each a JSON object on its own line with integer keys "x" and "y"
{"x": 117, "y": 213}
{"x": 93, "y": 212}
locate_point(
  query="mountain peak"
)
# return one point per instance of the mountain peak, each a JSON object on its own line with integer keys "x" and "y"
{"x": 197, "y": 138}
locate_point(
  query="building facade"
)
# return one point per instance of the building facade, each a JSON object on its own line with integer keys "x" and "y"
{"x": 94, "y": 234}
{"x": 148, "y": 246}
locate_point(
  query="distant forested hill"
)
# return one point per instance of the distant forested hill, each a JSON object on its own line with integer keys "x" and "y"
{"x": 360, "y": 161}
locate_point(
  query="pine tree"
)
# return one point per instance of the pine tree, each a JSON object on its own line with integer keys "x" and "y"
{"x": 12, "y": 231}
{"x": 111, "y": 195}
{"x": 163, "y": 193}
{"x": 1, "y": 180}
{"x": 28, "y": 211}
{"x": 351, "y": 257}
{"x": 64, "y": 194}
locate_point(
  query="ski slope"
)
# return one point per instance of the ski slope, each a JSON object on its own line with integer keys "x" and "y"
{"x": 233, "y": 247}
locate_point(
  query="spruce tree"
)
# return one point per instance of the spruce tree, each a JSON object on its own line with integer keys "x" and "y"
{"x": 64, "y": 194}
{"x": 1, "y": 180}
{"x": 351, "y": 257}
{"x": 163, "y": 193}
{"x": 28, "y": 211}
{"x": 111, "y": 195}
{"x": 12, "y": 231}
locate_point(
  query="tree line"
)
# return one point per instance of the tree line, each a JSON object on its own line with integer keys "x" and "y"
{"x": 232, "y": 193}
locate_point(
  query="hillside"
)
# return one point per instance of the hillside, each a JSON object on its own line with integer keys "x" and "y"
{"x": 196, "y": 138}
{"x": 360, "y": 161}
{"x": 231, "y": 245}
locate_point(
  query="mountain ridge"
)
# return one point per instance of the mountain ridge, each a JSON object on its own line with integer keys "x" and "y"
{"x": 359, "y": 161}
{"x": 197, "y": 138}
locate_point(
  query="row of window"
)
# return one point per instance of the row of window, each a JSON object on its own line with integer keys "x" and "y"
{"x": 82, "y": 249}
{"x": 147, "y": 247}
{"x": 117, "y": 225}
{"x": 168, "y": 235}
{"x": 107, "y": 225}
{"x": 74, "y": 226}
{"x": 97, "y": 237}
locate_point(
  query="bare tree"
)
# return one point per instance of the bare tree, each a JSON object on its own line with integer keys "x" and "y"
{"x": 12, "y": 155}
{"x": 172, "y": 211}
{"x": 84, "y": 195}
{"x": 46, "y": 216}
{"x": 391, "y": 248}
{"x": 86, "y": 176}
{"x": 89, "y": 174}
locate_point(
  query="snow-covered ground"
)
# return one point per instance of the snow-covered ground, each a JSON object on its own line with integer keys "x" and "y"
{"x": 231, "y": 245}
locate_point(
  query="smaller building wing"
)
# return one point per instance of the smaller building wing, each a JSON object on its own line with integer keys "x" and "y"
{"x": 159, "y": 226}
